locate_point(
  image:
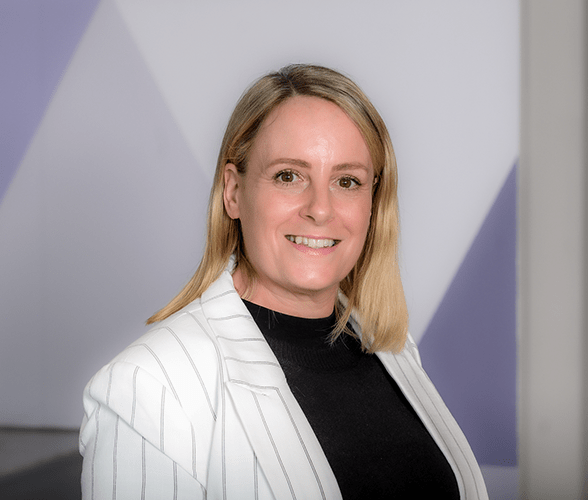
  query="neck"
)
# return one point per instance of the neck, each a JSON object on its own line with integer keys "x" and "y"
{"x": 303, "y": 304}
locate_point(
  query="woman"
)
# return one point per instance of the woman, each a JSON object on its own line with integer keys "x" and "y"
{"x": 284, "y": 369}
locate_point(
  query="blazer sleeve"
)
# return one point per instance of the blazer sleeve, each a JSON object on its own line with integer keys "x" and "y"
{"x": 136, "y": 440}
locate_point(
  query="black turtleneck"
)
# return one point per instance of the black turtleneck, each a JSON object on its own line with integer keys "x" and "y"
{"x": 376, "y": 444}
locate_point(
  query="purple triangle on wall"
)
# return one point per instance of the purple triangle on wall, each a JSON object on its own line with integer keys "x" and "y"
{"x": 469, "y": 348}
{"x": 37, "y": 40}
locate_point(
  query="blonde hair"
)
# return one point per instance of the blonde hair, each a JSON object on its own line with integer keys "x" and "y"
{"x": 373, "y": 287}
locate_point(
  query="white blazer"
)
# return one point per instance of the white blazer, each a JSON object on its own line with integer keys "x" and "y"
{"x": 199, "y": 407}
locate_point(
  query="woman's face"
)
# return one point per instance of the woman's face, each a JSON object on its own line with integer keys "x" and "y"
{"x": 304, "y": 205}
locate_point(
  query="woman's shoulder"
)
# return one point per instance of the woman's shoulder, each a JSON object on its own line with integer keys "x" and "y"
{"x": 177, "y": 355}
{"x": 179, "y": 351}
{"x": 178, "y": 339}
{"x": 166, "y": 381}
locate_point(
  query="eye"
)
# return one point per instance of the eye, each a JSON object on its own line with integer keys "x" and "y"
{"x": 286, "y": 176}
{"x": 348, "y": 182}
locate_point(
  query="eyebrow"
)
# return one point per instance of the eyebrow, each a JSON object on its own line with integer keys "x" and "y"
{"x": 304, "y": 164}
{"x": 289, "y": 161}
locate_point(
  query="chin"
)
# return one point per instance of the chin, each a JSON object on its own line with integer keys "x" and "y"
{"x": 315, "y": 284}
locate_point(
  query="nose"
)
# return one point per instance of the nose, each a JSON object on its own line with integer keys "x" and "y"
{"x": 318, "y": 205}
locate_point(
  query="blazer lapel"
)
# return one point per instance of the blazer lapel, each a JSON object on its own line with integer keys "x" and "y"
{"x": 408, "y": 373}
{"x": 285, "y": 445}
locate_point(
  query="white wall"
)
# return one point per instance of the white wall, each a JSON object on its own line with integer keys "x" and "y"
{"x": 103, "y": 221}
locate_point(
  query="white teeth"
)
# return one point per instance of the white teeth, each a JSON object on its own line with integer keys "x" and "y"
{"x": 311, "y": 242}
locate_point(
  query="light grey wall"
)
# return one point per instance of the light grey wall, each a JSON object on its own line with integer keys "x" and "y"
{"x": 553, "y": 259}
{"x": 104, "y": 219}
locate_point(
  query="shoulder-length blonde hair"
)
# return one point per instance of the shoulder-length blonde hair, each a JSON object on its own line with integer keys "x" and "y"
{"x": 373, "y": 287}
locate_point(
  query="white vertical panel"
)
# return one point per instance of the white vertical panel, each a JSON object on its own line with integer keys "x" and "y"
{"x": 552, "y": 259}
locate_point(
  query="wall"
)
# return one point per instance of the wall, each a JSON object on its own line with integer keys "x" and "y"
{"x": 111, "y": 118}
{"x": 553, "y": 258}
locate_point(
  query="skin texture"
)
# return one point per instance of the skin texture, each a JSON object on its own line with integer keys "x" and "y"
{"x": 309, "y": 174}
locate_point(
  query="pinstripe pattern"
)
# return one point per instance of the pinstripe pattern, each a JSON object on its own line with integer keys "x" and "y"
{"x": 240, "y": 340}
{"x": 275, "y": 448}
{"x": 232, "y": 316}
{"x": 224, "y": 451}
{"x": 170, "y": 385}
{"x": 255, "y": 485}
{"x": 143, "y": 470}
{"x": 271, "y": 363}
{"x": 194, "y": 368}
{"x": 200, "y": 408}
{"x": 162, "y": 420}
{"x": 303, "y": 446}
{"x": 175, "y": 481}
{"x": 449, "y": 440}
{"x": 134, "y": 407}
{"x": 93, "y": 473}
{"x": 114, "y": 452}
{"x": 193, "y": 452}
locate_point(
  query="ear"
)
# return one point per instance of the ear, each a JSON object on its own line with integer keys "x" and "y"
{"x": 231, "y": 191}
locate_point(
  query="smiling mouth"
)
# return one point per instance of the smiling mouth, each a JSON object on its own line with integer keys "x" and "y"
{"x": 311, "y": 242}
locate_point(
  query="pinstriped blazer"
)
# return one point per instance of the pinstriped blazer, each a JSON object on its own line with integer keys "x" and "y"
{"x": 199, "y": 408}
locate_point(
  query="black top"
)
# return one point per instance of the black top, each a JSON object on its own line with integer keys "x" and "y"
{"x": 374, "y": 441}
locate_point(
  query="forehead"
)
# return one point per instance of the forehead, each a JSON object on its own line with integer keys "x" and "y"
{"x": 305, "y": 124}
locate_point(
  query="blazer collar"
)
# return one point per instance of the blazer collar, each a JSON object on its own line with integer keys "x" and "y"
{"x": 280, "y": 435}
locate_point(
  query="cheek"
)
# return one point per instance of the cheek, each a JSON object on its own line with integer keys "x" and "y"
{"x": 263, "y": 203}
{"x": 273, "y": 208}
{"x": 358, "y": 216}
{"x": 263, "y": 216}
